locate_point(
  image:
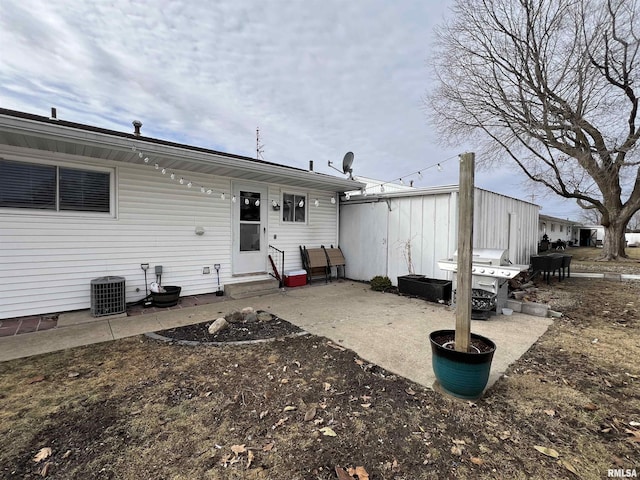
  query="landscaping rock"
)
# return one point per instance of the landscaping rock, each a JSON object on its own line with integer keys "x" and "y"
{"x": 234, "y": 317}
{"x": 247, "y": 310}
{"x": 265, "y": 317}
{"x": 219, "y": 324}
{"x": 250, "y": 317}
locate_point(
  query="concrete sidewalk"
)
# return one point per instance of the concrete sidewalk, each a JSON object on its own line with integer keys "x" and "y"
{"x": 385, "y": 329}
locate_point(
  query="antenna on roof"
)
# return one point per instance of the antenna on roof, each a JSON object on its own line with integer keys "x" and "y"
{"x": 259, "y": 147}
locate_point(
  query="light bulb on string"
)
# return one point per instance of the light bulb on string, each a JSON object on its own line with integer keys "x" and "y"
{"x": 181, "y": 181}
{"x": 439, "y": 167}
{"x": 164, "y": 171}
{"x": 189, "y": 185}
{"x": 316, "y": 202}
{"x": 301, "y": 203}
{"x": 173, "y": 176}
{"x": 201, "y": 189}
{"x": 146, "y": 159}
{"x": 156, "y": 166}
{"x": 233, "y": 199}
{"x": 347, "y": 196}
{"x": 223, "y": 196}
{"x": 257, "y": 203}
{"x": 382, "y": 188}
{"x": 333, "y": 200}
{"x": 420, "y": 175}
{"x": 246, "y": 201}
{"x": 133, "y": 148}
{"x": 401, "y": 182}
{"x": 140, "y": 154}
{"x": 209, "y": 192}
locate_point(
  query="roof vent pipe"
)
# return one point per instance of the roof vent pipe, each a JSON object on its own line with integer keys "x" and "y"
{"x": 136, "y": 127}
{"x": 54, "y": 113}
{"x": 311, "y": 165}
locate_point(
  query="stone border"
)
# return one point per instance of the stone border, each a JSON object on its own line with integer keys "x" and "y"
{"x": 194, "y": 343}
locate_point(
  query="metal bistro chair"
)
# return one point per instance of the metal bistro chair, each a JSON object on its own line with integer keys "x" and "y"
{"x": 314, "y": 261}
{"x": 335, "y": 258}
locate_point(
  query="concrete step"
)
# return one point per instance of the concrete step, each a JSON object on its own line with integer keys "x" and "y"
{"x": 251, "y": 289}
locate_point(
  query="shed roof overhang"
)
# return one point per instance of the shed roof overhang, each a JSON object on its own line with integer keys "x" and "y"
{"x": 18, "y": 129}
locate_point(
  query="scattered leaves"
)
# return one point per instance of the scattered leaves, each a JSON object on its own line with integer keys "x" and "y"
{"x": 268, "y": 447}
{"x": 328, "y": 431}
{"x": 551, "y": 413}
{"x": 549, "y": 452}
{"x": 359, "y": 472}
{"x": 310, "y": 414}
{"x": 337, "y": 347}
{"x": 39, "y": 378}
{"x": 591, "y": 407}
{"x": 326, "y": 386}
{"x": 569, "y": 467}
{"x": 42, "y": 454}
{"x": 264, "y": 414}
{"x": 74, "y": 374}
{"x": 45, "y": 469}
{"x": 342, "y": 474}
{"x": 635, "y": 434}
{"x": 249, "y": 459}
{"x": 359, "y": 362}
{"x": 289, "y": 408}
{"x": 456, "y": 450}
{"x": 237, "y": 449}
{"x": 410, "y": 391}
{"x": 504, "y": 435}
{"x": 280, "y": 422}
{"x": 365, "y": 405}
{"x": 477, "y": 461}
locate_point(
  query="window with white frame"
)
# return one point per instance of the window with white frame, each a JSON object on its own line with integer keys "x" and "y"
{"x": 55, "y": 188}
{"x": 294, "y": 208}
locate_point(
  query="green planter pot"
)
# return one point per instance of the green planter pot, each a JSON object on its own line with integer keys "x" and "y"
{"x": 461, "y": 374}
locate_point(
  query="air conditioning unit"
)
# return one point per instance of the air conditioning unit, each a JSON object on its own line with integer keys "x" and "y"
{"x": 108, "y": 296}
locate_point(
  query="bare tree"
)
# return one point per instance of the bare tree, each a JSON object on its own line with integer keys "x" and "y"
{"x": 550, "y": 85}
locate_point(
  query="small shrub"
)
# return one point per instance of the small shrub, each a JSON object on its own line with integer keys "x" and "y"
{"x": 380, "y": 284}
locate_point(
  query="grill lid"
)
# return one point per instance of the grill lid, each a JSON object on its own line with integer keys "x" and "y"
{"x": 488, "y": 256}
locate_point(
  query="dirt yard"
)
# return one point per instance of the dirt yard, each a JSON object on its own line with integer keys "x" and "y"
{"x": 300, "y": 407}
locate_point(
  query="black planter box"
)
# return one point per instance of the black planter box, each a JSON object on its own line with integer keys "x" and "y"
{"x": 430, "y": 289}
{"x": 167, "y": 299}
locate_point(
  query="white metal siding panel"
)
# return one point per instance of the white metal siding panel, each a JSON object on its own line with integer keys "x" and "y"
{"x": 363, "y": 239}
{"x": 429, "y": 223}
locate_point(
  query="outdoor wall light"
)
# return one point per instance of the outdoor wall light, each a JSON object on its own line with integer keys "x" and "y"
{"x": 199, "y": 230}
{"x": 275, "y": 205}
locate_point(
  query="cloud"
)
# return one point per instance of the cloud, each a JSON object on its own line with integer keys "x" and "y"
{"x": 318, "y": 77}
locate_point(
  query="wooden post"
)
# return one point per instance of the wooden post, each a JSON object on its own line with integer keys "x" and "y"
{"x": 465, "y": 252}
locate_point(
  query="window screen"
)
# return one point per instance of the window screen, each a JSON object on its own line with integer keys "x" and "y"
{"x": 84, "y": 190}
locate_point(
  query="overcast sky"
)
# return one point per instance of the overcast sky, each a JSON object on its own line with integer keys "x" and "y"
{"x": 318, "y": 77}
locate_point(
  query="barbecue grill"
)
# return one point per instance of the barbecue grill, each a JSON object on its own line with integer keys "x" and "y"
{"x": 490, "y": 269}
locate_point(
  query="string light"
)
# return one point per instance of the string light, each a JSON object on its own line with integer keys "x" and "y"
{"x": 417, "y": 172}
{"x": 333, "y": 200}
{"x": 347, "y": 196}
{"x": 301, "y": 203}
{"x": 233, "y": 199}
{"x": 182, "y": 181}
{"x": 257, "y": 203}
{"x": 316, "y": 202}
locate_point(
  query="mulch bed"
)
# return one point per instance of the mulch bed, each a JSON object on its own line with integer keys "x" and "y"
{"x": 235, "y": 332}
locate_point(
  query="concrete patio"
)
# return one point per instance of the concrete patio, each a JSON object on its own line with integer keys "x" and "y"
{"x": 389, "y": 330}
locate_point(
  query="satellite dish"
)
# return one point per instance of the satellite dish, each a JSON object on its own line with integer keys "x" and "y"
{"x": 347, "y": 162}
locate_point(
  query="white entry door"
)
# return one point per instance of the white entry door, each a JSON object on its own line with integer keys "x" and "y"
{"x": 249, "y": 229}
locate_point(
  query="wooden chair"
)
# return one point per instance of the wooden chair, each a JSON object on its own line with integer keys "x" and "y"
{"x": 314, "y": 261}
{"x": 335, "y": 258}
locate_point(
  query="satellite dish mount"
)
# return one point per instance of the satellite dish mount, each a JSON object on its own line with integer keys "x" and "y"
{"x": 347, "y": 163}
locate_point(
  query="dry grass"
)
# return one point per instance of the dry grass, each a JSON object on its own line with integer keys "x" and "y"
{"x": 135, "y": 409}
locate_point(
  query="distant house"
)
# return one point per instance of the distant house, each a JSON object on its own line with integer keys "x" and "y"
{"x": 79, "y": 202}
{"x": 558, "y": 229}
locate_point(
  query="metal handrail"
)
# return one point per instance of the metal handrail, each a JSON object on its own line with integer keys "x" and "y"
{"x": 279, "y": 255}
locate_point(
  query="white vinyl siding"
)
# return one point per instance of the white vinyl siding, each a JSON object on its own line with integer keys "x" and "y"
{"x": 48, "y": 261}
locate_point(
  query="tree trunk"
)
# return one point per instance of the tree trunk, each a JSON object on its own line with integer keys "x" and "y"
{"x": 614, "y": 241}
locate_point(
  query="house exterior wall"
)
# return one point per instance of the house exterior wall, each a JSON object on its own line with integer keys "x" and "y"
{"x": 374, "y": 234}
{"x": 48, "y": 259}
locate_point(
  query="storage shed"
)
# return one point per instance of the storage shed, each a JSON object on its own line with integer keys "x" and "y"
{"x": 381, "y": 234}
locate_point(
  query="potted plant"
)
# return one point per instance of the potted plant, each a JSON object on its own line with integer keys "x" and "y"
{"x": 462, "y": 360}
{"x": 431, "y": 289}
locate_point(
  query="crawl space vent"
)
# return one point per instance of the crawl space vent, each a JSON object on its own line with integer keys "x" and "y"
{"x": 108, "y": 296}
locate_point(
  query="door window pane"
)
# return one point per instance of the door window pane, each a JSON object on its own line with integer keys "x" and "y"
{"x": 249, "y": 237}
{"x": 249, "y": 207}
